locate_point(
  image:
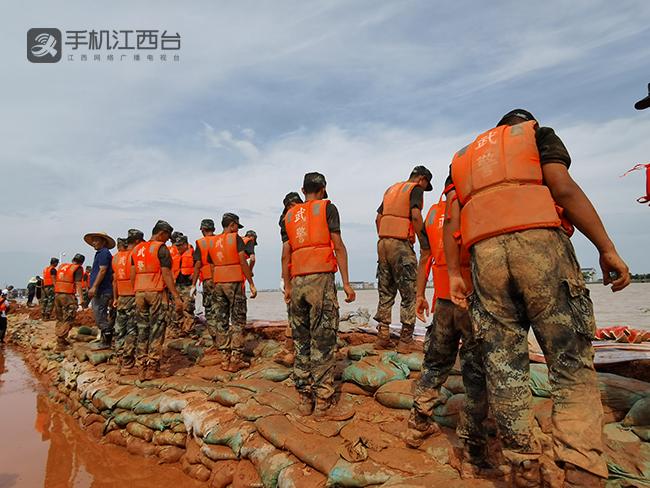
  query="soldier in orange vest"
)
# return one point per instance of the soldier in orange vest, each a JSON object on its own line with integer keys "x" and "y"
{"x": 312, "y": 251}
{"x": 203, "y": 269}
{"x": 183, "y": 269}
{"x": 152, "y": 281}
{"x": 230, "y": 270}
{"x": 250, "y": 243}
{"x": 47, "y": 290}
{"x": 126, "y": 326}
{"x": 67, "y": 298}
{"x": 512, "y": 186}
{"x": 85, "y": 284}
{"x": 399, "y": 220}
{"x": 449, "y": 334}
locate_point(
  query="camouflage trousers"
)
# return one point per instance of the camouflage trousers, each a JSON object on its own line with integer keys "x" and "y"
{"x": 532, "y": 279}
{"x": 47, "y": 302}
{"x": 65, "y": 310}
{"x": 208, "y": 293}
{"x": 182, "y": 323}
{"x": 152, "y": 315}
{"x": 396, "y": 271}
{"x": 226, "y": 327}
{"x": 126, "y": 330}
{"x": 314, "y": 318}
{"x": 450, "y": 324}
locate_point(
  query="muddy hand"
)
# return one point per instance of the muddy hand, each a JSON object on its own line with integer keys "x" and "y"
{"x": 615, "y": 271}
{"x": 350, "y": 294}
{"x": 458, "y": 291}
{"x": 422, "y": 308}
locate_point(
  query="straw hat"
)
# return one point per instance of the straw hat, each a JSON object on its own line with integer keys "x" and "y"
{"x": 110, "y": 242}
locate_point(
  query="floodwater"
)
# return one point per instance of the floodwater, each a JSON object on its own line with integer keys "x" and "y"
{"x": 628, "y": 307}
{"x": 40, "y": 445}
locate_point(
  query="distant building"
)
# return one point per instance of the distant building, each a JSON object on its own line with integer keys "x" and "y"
{"x": 363, "y": 285}
{"x": 589, "y": 274}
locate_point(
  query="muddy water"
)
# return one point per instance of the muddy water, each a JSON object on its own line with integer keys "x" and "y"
{"x": 628, "y": 307}
{"x": 42, "y": 446}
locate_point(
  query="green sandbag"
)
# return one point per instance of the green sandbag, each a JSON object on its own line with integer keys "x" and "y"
{"x": 84, "y": 330}
{"x": 412, "y": 360}
{"x": 111, "y": 397}
{"x": 639, "y": 414}
{"x": 396, "y": 394}
{"x": 627, "y": 457}
{"x": 448, "y": 413}
{"x": 230, "y": 396}
{"x": 169, "y": 438}
{"x": 268, "y": 371}
{"x": 642, "y": 432}
{"x": 232, "y": 434}
{"x": 267, "y": 349}
{"x": 539, "y": 383}
{"x": 363, "y": 473}
{"x": 140, "y": 431}
{"x": 455, "y": 384}
{"x": 372, "y": 372}
{"x": 125, "y": 417}
{"x": 621, "y": 393}
{"x": 149, "y": 404}
{"x": 361, "y": 351}
{"x": 157, "y": 421}
{"x": 98, "y": 357}
{"x": 136, "y": 396}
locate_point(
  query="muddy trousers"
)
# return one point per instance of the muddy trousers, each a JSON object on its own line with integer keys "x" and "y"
{"x": 3, "y": 328}
{"x": 228, "y": 316}
{"x": 532, "y": 279}
{"x": 314, "y": 320}
{"x": 65, "y": 310}
{"x": 126, "y": 330}
{"x": 442, "y": 344}
{"x": 47, "y": 302}
{"x": 396, "y": 271}
{"x": 152, "y": 315}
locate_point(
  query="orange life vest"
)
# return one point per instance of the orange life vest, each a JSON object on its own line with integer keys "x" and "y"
{"x": 205, "y": 244}
{"x": 47, "y": 277}
{"x": 498, "y": 180}
{"x": 438, "y": 263}
{"x": 122, "y": 273}
{"x": 395, "y": 220}
{"x": 176, "y": 260}
{"x": 65, "y": 278}
{"x": 148, "y": 272}
{"x": 3, "y": 305}
{"x": 85, "y": 280}
{"x": 310, "y": 239}
{"x": 187, "y": 262}
{"x": 225, "y": 258}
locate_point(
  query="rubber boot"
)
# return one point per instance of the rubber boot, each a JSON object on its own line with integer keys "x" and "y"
{"x": 575, "y": 477}
{"x": 475, "y": 463}
{"x": 383, "y": 337}
{"x": 306, "y": 404}
{"x": 405, "y": 339}
{"x": 104, "y": 342}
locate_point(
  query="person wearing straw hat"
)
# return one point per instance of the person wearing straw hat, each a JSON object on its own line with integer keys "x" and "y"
{"x": 101, "y": 285}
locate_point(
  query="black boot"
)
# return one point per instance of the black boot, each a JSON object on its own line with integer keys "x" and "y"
{"x": 104, "y": 342}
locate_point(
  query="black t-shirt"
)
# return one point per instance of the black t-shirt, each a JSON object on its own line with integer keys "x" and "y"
{"x": 249, "y": 247}
{"x": 333, "y": 222}
{"x": 550, "y": 146}
{"x": 78, "y": 274}
{"x": 416, "y": 200}
{"x": 197, "y": 253}
{"x": 53, "y": 272}
{"x": 240, "y": 248}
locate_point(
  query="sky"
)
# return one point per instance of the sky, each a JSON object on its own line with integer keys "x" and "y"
{"x": 265, "y": 91}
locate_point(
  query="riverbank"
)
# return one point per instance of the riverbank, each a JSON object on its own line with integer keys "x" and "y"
{"x": 243, "y": 430}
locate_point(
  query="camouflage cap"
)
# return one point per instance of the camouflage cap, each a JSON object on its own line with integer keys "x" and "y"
{"x": 180, "y": 239}
{"x": 207, "y": 224}
{"x": 122, "y": 242}
{"x": 291, "y": 198}
{"x": 313, "y": 182}
{"x": 162, "y": 226}
{"x": 228, "y": 218}
{"x": 79, "y": 258}
{"x": 423, "y": 171}
{"x": 134, "y": 235}
{"x": 54, "y": 261}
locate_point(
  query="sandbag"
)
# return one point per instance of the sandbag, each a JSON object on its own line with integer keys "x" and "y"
{"x": 396, "y": 394}
{"x": 621, "y": 393}
{"x": 136, "y": 396}
{"x": 455, "y": 384}
{"x": 169, "y": 454}
{"x": 267, "y": 371}
{"x": 148, "y": 404}
{"x": 172, "y": 401}
{"x": 373, "y": 372}
{"x": 413, "y": 360}
{"x": 232, "y": 434}
{"x": 169, "y": 438}
{"x": 98, "y": 357}
{"x": 116, "y": 437}
{"x": 642, "y": 432}
{"x": 267, "y": 349}
{"x": 230, "y": 396}
{"x": 140, "y": 431}
{"x": 299, "y": 475}
{"x": 140, "y": 447}
{"x": 639, "y": 414}
{"x": 363, "y": 473}
{"x": 628, "y": 459}
{"x": 159, "y": 421}
{"x": 362, "y": 350}
{"x": 268, "y": 461}
{"x": 108, "y": 399}
{"x": 124, "y": 417}
{"x": 218, "y": 453}
{"x": 539, "y": 383}
{"x": 447, "y": 414}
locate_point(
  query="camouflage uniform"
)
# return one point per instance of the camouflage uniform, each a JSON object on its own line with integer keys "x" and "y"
{"x": 314, "y": 324}
{"x": 228, "y": 316}
{"x": 152, "y": 315}
{"x": 47, "y": 302}
{"x": 179, "y": 320}
{"x": 450, "y": 324}
{"x": 532, "y": 279}
{"x": 396, "y": 270}
{"x": 126, "y": 330}
{"x": 65, "y": 310}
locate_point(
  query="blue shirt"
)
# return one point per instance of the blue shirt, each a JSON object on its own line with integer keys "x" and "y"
{"x": 103, "y": 257}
